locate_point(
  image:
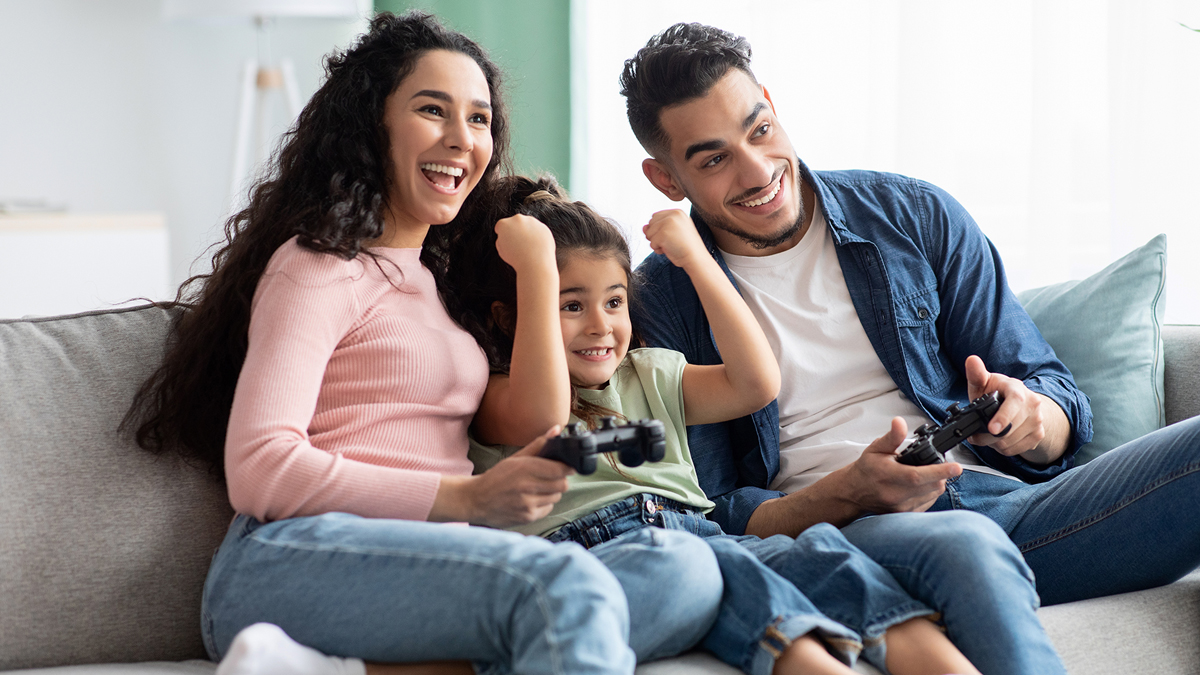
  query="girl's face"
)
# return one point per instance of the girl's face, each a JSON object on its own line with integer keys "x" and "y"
{"x": 439, "y": 125}
{"x": 593, "y": 307}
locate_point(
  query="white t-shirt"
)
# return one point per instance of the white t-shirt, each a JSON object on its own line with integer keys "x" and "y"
{"x": 836, "y": 397}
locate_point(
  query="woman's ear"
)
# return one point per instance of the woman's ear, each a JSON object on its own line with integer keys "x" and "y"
{"x": 504, "y": 317}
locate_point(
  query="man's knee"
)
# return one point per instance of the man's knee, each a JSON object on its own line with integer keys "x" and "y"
{"x": 960, "y": 543}
{"x": 969, "y": 545}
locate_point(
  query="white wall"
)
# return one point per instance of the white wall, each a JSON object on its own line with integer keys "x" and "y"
{"x": 107, "y": 108}
{"x": 1068, "y": 128}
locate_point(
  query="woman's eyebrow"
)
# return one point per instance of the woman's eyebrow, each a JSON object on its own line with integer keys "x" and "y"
{"x": 443, "y": 96}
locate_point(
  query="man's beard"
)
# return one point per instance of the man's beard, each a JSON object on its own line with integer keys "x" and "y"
{"x": 756, "y": 241}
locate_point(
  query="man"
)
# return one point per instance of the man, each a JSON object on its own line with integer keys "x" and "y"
{"x": 884, "y": 304}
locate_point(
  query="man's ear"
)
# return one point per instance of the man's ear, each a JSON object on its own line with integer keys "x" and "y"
{"x": 662, "y": 178}
{"x": 504, "y": 317}
{"x": 767, "y": 95}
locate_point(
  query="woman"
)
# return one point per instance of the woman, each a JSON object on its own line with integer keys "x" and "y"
{"x": 318, "y": 366}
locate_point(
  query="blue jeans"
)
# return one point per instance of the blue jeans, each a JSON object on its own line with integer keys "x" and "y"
{"x": 673, "y": 585}
{"x": 963, "y": 565}
{"x": 828, "y": 587}
{"x": 401, "y": 591}
{"x": 1127, "y": 520}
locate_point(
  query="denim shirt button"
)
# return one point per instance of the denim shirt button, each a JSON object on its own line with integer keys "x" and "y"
{"x": 922, "y": 313}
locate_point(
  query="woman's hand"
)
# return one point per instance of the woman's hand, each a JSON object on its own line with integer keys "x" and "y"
{"x": 524, "y": 242}
{"x": 520, "y": 489}
{"x": 673, "y": 234}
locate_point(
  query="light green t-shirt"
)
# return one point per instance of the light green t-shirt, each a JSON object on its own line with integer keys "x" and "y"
{"x": 647, "y": 384}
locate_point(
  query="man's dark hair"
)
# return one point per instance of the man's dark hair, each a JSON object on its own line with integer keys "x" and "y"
{"x": 679, "y": 64}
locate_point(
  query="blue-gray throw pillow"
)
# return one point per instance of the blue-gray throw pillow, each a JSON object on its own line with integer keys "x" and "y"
{"x": 1107, "y": 329}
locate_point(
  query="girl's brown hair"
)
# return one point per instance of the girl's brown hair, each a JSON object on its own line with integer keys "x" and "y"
{"x": 481, "y": 278}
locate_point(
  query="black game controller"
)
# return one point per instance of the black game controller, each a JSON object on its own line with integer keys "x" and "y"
{"x": 932, "y": 441}
{"x": 634, "y": 443}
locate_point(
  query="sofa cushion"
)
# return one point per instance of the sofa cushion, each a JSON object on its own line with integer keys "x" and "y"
{"x": 104, "y": 545}
{"x": 1107, "y": 329}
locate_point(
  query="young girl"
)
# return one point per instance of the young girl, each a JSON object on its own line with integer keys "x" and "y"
{"x": 566, "y": 354}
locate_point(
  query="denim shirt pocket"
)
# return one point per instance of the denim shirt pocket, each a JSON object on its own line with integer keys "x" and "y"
{"x": 916, "y": 316}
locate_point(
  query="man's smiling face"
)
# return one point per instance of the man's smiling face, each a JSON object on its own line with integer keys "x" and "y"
{"x": 728, "y": 154}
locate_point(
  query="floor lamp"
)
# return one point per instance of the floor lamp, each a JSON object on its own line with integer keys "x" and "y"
{"x": 261, "y": 78}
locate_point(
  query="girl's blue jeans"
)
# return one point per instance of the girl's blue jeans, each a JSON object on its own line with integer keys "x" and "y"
{"x": 828, "y": 587}
{"x": 959, "y": 563}
{"x": 402, "y": 591}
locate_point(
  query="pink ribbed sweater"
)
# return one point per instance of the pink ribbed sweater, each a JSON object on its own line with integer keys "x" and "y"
{"x": 355, "y": 396}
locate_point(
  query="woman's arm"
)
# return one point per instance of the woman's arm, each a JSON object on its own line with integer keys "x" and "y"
{"x": 536, "y": 394}
{"x": 749, "y": 377}
{"x": 519, "y": 489}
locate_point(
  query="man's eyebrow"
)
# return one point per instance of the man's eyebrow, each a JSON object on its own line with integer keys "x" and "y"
{"x": 705, "y": 146}
{"x": 443, "y": 96}
{"x": 758, "y": 107}
{"x": 702, "y": 146}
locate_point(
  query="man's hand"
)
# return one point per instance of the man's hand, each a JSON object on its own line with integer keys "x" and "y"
{"x": 523, "y": 242}
{"x": 880, "y": 484}
{"x": 673, "y": 234}
{"x": 874, "y": 483}
{"x": 1040, "y": 429}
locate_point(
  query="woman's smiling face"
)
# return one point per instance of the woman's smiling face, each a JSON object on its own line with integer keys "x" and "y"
{"x": 438, "y": 124}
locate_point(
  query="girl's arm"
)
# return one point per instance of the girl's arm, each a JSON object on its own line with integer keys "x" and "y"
{"x": 749, "y": 377}
{"x": 536, "y": 394}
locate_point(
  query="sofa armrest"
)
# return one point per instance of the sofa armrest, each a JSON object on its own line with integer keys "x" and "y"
{"x": 1181, "y": 376}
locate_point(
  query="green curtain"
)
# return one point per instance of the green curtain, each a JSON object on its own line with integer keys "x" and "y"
{"x": 530, "y": 39}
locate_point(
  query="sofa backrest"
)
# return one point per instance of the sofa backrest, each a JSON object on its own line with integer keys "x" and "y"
{"x": 103, "y": 546}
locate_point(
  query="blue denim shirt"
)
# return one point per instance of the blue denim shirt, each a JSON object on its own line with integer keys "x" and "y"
{"x": 930, "y": 291}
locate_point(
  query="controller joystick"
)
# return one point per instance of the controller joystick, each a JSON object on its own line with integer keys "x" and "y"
{"x": 634, "y": 443}
{"x": 931, "y": 441}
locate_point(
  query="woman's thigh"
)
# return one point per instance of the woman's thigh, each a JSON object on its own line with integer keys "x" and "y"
{"x": 396, "y": 591}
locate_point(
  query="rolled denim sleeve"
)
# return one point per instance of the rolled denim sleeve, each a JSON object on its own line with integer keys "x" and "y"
{"x": 981, "y": 316}
{"x": 734, "y": 509}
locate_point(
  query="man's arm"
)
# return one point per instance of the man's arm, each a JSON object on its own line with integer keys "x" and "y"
{"x": 874, "y": 483}
{"x": 980, "y": 316}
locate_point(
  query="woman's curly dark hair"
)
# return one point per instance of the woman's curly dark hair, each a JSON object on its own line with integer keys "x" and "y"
{"x": 327, "y": 185}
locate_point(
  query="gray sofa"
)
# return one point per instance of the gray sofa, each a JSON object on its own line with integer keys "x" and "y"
{"x": 104, "y": 547}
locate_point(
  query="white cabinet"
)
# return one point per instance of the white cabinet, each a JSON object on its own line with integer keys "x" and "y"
{"x": 60, "y": 263}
